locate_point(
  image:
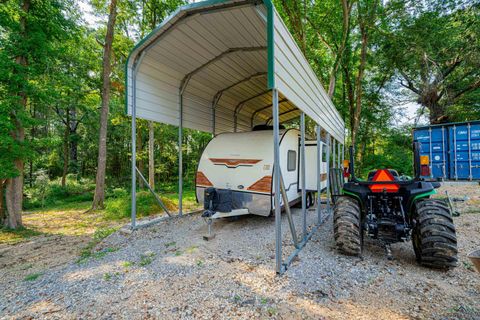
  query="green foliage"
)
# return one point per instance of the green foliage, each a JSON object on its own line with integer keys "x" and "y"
{"x": 51, "y": 193}
{"x": 30, "y": 42}
{"x": 10, "y": 236}
{"x": 120, "y": 207}
{"x": 98, "y": 236}
{"x": 392, "y": 150}
{"x": 419, "y": 41}
{"x": 146, "y": 259}
{"x": 32, "y": 277}
{"x": 102, "y": 233}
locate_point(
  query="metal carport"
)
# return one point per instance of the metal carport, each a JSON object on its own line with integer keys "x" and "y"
{"x": 226, "y": 66}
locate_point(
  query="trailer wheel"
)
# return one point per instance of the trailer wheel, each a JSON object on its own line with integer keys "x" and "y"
{"x": 434, "y": 236}
{"x": 346, "y": 226}
{"x": 309, "y": 199}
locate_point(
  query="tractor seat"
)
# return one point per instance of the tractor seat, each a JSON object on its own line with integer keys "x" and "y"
{"x": 394, "y": 173}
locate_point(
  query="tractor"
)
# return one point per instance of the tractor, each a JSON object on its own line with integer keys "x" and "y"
{"x": 391, "y": 208}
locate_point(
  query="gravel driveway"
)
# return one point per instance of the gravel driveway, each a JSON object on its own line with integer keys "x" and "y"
{"x": 168, "y": 272}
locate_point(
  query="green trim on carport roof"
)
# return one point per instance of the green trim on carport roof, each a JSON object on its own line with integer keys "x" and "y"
{"x": 161, "y": 25}
{"x": 270, "y": 43}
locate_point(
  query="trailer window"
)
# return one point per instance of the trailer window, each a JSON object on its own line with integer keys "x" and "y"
{"x": 292, "y": 160}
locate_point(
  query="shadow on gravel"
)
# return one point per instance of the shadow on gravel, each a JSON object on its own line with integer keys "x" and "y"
{"x": 167, "y": 271}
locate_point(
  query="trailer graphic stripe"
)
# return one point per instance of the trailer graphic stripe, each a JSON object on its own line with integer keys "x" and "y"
{"x": 233, "y": 163}
{"x": 262, "y": 185}
{"x": 202, "y": 180}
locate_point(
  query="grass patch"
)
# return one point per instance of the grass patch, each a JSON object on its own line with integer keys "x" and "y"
{"x": 32, "y": 277}
{"x": 178, "y": 253}
{"x": 146, "y": 259}
{"x": 463, "y": 309}
{"x": 170, "y": 244}
{"x": 12, "y": 236}
{"x": 46, "y": 193}
{"x": 469, "y": 266}
{"x": 98, "y": 236}
{"x": 271, "y": 311}
{"x": 128, "y": 264}
{"x": 119, "y": 206}
{"x": 191, "y": 249}
{"x": 200, "y": 263}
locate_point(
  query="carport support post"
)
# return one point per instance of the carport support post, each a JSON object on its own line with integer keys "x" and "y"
{"x": 334, "y": 157}
{"x": 302, "y": 173}
{"x": 329, "y": 142}
{"x": 180, "y": 156}
{"x": 276, "y": 184}
{"x": 134, "y": 151}
{"x": 339, "y": 155}
{"x": 319, "y": 173}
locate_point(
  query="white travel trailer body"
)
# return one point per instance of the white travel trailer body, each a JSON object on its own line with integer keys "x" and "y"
{"x": 243, "y": 163}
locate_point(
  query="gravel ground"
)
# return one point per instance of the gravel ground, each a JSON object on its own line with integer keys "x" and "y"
{"x": 168, "y": 272}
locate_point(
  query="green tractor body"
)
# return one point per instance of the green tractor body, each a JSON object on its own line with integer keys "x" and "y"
{"x": 391, "y": 209}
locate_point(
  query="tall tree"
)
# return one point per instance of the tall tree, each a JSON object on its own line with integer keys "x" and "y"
{"x": 99, "y": 196}
{"x": 435, "y": 49}
{"x": 14, "y": 185}
{"x": 367, "y": 14}
{"x": 29, "y": 36}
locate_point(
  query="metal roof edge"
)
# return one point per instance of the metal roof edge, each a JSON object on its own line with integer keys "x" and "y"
{"x": 448, "y": 124}
{"x": 170, "y": 19}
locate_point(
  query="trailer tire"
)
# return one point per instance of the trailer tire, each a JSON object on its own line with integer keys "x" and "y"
{"x": 434, "y": 236}
{"x": 347, "y": 229}
{"x": 309, "y": 199}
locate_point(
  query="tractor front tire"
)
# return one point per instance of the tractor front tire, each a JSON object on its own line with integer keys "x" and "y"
{"x": 347, "y": 229}
{"x": 434, "y": 237}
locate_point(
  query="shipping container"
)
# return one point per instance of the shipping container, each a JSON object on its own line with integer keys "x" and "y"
{"x": 453, "y": 150}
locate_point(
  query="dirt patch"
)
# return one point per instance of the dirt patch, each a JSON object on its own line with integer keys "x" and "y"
{"x": 52, "y": 238}
{"x": 168, "y": 272}
{"x": 465, "y": 196}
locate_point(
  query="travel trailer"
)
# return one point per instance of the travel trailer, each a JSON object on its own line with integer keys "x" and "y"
{"x": 235, "y": 171}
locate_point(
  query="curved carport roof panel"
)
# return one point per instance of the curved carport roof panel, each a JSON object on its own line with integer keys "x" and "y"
{"x": 219, "y": 59}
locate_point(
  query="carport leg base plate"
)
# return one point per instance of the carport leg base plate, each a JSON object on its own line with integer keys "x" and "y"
{"x": 209, "y": 237}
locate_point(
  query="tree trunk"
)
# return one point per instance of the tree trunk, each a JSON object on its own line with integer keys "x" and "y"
{"x": 32, "y": 138}
{"x": 73, "y": 141}
{"x": 2, "y": 203}
{"x": 438, "y": 112}
{"x": 151, "y": 160}
{"x": 73, "y": 152}
{"x": 14, "y": 186}
{"x": 14, "y": 189}
{"x": 140, "y": 164}
{"x": 99, "y": 197}
{"x": 341, "y": 49}
{"x": 358, "y": 83}
{"x": 66, "y": 137}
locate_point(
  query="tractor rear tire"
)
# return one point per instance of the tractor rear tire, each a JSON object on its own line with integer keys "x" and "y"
{"x": 434, "y": 237}
{"x": 347, "y": 229}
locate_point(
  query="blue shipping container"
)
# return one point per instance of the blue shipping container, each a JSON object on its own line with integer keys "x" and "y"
{"x": 453, "y": 150}
{"x": 464, "y": 151}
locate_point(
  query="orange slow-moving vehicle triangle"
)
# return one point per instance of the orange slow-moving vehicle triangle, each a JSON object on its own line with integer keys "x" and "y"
{"x": 384, "y": 176}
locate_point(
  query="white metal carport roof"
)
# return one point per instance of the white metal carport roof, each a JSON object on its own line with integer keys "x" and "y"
{"x": 226, "y": 66}
{"x": 225, "y": 56}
